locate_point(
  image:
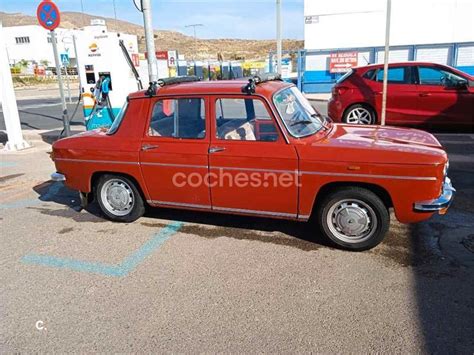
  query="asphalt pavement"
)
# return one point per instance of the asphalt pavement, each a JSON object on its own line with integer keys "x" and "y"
{"x": 177, "y": 281}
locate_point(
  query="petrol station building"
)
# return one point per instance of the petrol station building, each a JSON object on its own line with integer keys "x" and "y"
{"x": 353, "y": 34}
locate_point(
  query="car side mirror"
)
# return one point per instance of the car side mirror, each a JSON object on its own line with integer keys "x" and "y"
{"x": 462, "y": 84}
{"x": 456, "y": 84}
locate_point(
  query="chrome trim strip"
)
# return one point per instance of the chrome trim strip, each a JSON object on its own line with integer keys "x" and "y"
{"x": 263, "y": 213}
{"x": 396, "y": 177}
{"x": 176, "y": 165}
{"x": 178, "y": 204}
{"x": 255, "y": 169}
{"x": 97, "y": 161}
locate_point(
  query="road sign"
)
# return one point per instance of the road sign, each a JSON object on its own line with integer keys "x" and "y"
{"x": 48, "y": 15}
{"x": 342, "y": 62}
{"x": 65, "y": 59}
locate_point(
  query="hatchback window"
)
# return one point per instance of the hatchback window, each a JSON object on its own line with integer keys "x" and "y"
{"x": 436, "y": 76}
{"x": 244, "y": 120}
{"x": 178, "y": 118}
{"x": 345, "y": 76}
{"x": 398, "y": 75}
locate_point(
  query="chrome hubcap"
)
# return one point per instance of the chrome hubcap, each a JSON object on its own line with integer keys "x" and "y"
{"x": 352, "y": 221}
{"x": 117, "y": 197}
{"x": 360, "y": 115}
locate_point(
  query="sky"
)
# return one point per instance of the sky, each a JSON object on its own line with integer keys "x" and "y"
{"x": 249, "y": 19}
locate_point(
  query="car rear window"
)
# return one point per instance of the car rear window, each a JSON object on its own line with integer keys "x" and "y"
{"x": 345, "y": 76}
{"x": 370, "y": 74}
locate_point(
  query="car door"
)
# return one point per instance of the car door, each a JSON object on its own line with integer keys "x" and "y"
{"x": 402, "y": 96}
{"x": 440, "y": 103}
{"x": 253, "y": 170}
{"x": 174, "y": 152}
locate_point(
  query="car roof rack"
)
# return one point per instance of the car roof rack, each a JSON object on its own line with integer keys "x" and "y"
{"x": 170, "y": 81}
{"x": 251, "y": 86}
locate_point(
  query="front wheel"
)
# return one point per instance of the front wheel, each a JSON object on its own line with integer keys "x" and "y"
{"x": 359, "y": 114}
{"x": 353, "y": 218}
{"x": 119, "y": 198}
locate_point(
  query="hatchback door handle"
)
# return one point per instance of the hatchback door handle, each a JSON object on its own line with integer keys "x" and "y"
{"x": 425, "y": 94}
{"x": 216, "y": 149}
{"x": 149, "y": 146}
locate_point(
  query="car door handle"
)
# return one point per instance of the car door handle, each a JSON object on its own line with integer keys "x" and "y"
{"x": 424, "y": 94}
{"x": 216, "y": 149}
{"x": 149, "y": 146}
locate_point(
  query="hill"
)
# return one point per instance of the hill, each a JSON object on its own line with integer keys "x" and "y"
{"x": 167, "y": 40}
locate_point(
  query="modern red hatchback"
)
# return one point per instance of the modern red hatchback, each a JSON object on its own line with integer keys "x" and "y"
{"x": 419, "y": 94}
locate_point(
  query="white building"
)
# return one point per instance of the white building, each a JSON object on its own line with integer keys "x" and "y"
{"x": 440, "y": 31}
{"x": 361, "y": 23}
{"x": 33, "y": 43}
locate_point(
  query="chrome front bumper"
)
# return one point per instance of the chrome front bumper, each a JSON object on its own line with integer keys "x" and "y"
{"x": 58, "y": 177}
{"x": 439, "y": 204}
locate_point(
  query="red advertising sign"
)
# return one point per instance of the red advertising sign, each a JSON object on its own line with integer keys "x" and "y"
{"x": 160, "y": 55}
{"x": 341, "y": 62}
{"x": 48, "y": 15}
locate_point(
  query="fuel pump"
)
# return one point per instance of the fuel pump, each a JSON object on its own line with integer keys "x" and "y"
{"x": 107, "y": 73}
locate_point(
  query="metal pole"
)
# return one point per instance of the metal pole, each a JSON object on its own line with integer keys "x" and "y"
{"x": 278, "y": 31}
{"x": 67, "y": 131}
{"x": 150, "y": 41}
{"x": 385, "y": 64}
{"x": 8, "y": 101}
{"x": 77, "y": 62}
{"x": 67, "y": 85}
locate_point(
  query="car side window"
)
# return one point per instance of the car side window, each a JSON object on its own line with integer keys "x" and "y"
{"x": 244, "y": 120}
{"x": 398, "y": 75}
{"x": 436, "y": 76}
{"x": 178, "y": 118}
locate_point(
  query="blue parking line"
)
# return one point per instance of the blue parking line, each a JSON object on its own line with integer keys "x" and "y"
{"x": 7, "y": 164}
{"x": 127, "y": 265}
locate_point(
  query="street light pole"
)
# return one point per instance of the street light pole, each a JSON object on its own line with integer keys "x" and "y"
{"x": 150, "y": 40}
{"x": 278, "y": 35}
{"x": 385, "y": 64}
{"x": 195, "y": 37}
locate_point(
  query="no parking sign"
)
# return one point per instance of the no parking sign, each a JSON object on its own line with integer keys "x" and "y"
{"x": 48, "y": 15}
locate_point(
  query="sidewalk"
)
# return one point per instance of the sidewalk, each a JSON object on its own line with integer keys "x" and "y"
{"x": 318, "y": 97}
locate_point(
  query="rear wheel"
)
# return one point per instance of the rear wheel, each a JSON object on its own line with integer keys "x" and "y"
{"x": 119, "y": 198}
{"x": 353, "y": 218}
{"x": 359, "y": 114}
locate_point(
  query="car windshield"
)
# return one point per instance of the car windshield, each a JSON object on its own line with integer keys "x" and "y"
{"x": 299, "y": 117}
{"x": 118, "y": 119}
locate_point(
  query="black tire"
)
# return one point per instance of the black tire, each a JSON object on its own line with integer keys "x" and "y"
{"x": 370, "y": 110}
{"x": 129, "y": 195}
{"x": 363, "y": 209}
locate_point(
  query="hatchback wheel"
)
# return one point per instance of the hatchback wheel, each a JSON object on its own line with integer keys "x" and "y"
{"x": 119, "y": 198}
{"x": 359, "y": 114}
{"x": 353, "y": 218}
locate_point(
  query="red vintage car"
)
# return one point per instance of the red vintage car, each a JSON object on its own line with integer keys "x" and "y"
{"x": 419, "y": 94}
{"x": 255, "y": 148}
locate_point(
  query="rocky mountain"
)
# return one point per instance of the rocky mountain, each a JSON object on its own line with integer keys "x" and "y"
{"x": 168, "y": 40}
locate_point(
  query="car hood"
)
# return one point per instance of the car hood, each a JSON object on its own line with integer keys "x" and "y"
{"x": 377, "y": 144}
